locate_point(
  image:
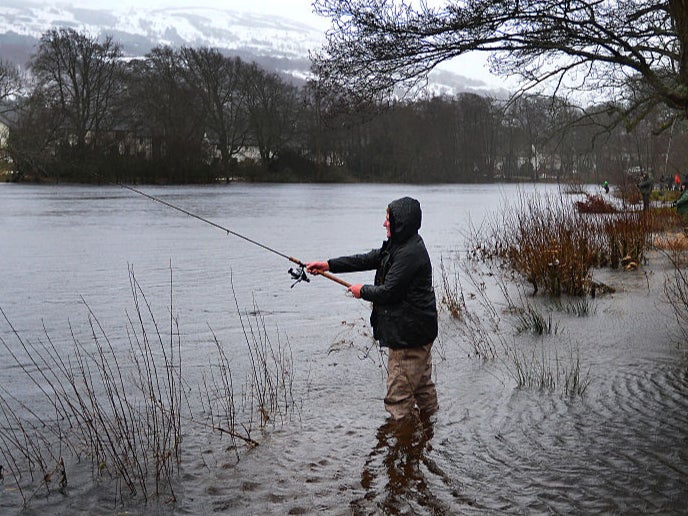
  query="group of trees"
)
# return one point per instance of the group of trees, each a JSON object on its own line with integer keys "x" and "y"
{"x": 176, "y": 115}
{"x": 193, "y": 114}
{"x": 471, "y": 138}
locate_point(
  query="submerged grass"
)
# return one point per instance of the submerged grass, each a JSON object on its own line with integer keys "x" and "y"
{"x": 532, "y": 320}
{"x": 582, "y": 307}
{"x": 479, "y": 323}
{"x": 541, "y": 367}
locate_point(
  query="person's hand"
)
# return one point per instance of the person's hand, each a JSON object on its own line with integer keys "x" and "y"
{"x": 356, "y": 290}
{"x": 317, "y": 267}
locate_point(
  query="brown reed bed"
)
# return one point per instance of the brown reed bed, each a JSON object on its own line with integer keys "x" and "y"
{"x": 127, "y": 414}
{"x": 595, "y": 204}
{"x": 554, "y": 246}
{"x": 544, "y": 240}
{"x": 675, "y": 245}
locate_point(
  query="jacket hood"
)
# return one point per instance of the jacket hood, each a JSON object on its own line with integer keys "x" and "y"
{"x": 404, "y": 219}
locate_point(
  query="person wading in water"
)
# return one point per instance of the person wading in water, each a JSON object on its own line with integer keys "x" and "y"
{"x": 404, "y": 315}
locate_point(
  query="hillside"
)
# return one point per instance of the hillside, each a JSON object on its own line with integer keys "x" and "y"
{"x": 276, "y": 43}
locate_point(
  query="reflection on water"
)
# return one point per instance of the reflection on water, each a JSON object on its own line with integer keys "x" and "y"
{"x": 395, "y": 472}
{"x": 491, "y": 449}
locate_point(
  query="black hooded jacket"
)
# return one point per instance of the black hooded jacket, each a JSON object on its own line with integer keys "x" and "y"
{"x": 404, "y": 308}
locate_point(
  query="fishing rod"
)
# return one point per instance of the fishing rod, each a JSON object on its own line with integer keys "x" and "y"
{"x": 298, "y": 275}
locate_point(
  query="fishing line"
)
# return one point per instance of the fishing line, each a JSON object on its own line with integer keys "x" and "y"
{"x": 298, "y": 275}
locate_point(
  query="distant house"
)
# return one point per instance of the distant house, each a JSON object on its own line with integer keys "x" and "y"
{"x": 4, "y": 131}
{"x": 5, "y": 159}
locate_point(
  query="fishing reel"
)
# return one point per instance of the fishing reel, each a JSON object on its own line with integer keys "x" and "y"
{"x": 299, "y": 275}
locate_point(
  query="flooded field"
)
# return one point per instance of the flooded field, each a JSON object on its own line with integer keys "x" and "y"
{"x": 69, "y": 253}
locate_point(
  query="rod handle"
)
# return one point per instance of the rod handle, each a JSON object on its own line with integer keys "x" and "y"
{"x": 327, "y": 275}
{"x": 335, "y": 279}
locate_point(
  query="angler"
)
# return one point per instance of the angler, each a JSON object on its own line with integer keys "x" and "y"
{"x": 404, "y": 315}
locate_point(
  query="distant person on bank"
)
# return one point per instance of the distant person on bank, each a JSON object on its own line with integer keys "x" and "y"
{"x": 404, "y": 314}
{"x": 645, "y": 187}
{"x": 682, "y": 203}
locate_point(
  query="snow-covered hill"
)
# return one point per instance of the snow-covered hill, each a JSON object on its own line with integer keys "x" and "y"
{"x": 275, "y": 42}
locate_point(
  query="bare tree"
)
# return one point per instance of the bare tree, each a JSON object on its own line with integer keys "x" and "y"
{"x": 638, "y": 47}
{"x": 272, "y": 106}
{"x": 219, "y": 82}
{"x": 165, "y": 108}
{"x": 34, "y": 135}
{"x": 10, "y": 84}
{"x": 79, "y": 75}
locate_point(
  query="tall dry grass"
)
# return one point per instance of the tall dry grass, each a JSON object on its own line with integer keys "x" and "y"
{"x": 480, "y": 327}
{"x": 127, "y": 414}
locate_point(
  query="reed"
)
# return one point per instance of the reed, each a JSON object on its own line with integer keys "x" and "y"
{"x": 452, "y": 297}
{"x": 127, "y": 414}
{"x": 676, "y": 293}
{"x": 268, "y": 392}
{"x": 541, "y": 367}
{"x": 478, "y": 325}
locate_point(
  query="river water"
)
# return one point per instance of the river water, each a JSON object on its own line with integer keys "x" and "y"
{"x": 619, "y": 447}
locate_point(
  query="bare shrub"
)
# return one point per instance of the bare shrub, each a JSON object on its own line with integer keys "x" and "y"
{"x": 546, "y": 242}
{"x": 627, "y": 238}
{"x": 124, "y": 417}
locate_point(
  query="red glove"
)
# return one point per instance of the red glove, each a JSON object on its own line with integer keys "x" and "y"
{"x": 317, "y": 267}
{"x": 356, "y": 290}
